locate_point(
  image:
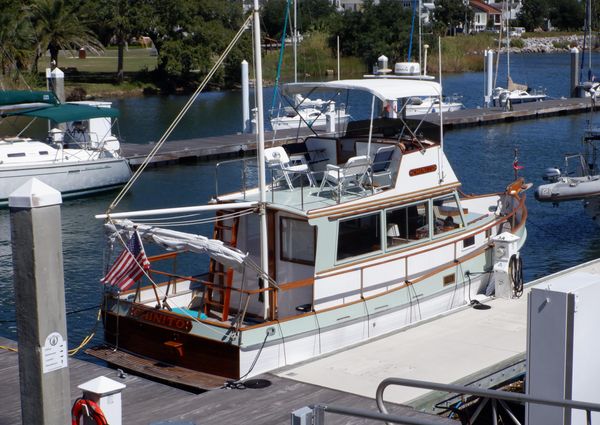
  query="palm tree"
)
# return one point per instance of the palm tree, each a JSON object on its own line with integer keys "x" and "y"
{"x": 57, "y": 27}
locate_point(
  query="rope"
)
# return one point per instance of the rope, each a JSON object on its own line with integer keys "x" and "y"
{"x": 89, "y": 337}
{"x": 7, "y": 348}
{"x": 179, "y": 117}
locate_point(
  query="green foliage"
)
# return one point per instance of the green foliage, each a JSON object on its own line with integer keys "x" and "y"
{"x": 378, "y": 29}
{"x": 272, "y": 16}
{"x": 533, "y": 14}
{"x": 452, "y": 14}
{"x": 57, "y": 27}
{"x": 517, "y": 43}
{"x": 566, "y": 14}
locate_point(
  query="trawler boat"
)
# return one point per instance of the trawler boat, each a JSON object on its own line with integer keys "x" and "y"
{"x": 80, "y": 155}
{"x": 365, "y": 233}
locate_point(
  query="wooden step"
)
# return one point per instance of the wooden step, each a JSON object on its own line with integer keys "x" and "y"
{"x": 159, "y": 371}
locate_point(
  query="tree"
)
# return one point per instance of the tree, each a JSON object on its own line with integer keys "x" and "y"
{"x": 57, "y": 27}
{"x": 378, "y": 29}
{"x": 452, "y": 14}
{"x": 567, "y": 14}
{"x": 533, "y": 14}
{"x": 16, "y": 37}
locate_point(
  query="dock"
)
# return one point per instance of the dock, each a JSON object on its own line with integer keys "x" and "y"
{"x": 484, "y": 348}
{"x": 147, "y": 402}
{"x": 238, "y": 145}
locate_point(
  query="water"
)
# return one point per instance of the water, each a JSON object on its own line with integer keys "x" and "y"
{"x": 481, "y": 157}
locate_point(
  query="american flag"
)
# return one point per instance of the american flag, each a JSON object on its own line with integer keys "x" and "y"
{"x": 129, "y": 265}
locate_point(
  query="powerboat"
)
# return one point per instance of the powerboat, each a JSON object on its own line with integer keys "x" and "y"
{"x": 80, "y": 156}
{"x": 348, "y": 237}
{"x": 309, "y": 113}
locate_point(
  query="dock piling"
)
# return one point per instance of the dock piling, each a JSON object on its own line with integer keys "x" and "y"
{"x": 40, "y": 303}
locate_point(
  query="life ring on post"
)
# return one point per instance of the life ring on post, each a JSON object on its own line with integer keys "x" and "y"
{"x": 515, "y": 271}
{"x": 89, "y": 408}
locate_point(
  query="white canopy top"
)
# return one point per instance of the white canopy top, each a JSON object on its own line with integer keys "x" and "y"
{"x": 383, "y": 88}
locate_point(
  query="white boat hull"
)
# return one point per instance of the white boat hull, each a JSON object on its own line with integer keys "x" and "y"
{"x": 71, "y": 179}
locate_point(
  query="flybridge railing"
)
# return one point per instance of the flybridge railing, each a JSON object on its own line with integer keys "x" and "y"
{"x": 241, "y": 176}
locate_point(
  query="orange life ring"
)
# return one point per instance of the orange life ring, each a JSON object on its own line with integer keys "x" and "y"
{"x": 92, "y": 408}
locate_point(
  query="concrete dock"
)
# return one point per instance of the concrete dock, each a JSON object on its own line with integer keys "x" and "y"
{"x": 483, "y": 348}
{"x": 235, "y": 145}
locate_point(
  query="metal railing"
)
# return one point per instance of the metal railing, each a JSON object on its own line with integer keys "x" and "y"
{"x": 315, "y": 414}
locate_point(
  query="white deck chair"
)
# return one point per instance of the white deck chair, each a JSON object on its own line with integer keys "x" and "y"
{"x": 277, "y": 160}
{"x": 351, "y": 175}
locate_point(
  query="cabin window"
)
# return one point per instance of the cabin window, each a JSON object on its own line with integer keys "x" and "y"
{"x": 43, "y": 152}
{"x": 16, "y": 155}
{"x": 358, "y": 236}
{"x": 470, "y": 241}
{"x": 297, "y": 241}
{"x": 446, "y": 214}
{"x": 407, "y": 224}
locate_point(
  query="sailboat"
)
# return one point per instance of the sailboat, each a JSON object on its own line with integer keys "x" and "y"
{"x": 363, "y": 234}
{"x": 80, "y": 155}
{"x": 514, "y": 93}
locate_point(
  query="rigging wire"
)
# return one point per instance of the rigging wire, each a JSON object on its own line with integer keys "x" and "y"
{"x": 281, "y": 51}
{"x": 179, "y": 116}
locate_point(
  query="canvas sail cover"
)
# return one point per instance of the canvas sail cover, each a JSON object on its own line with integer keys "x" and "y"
{"x": 516, "y": 86}
{"x": 17, "y": 97}
{"x": 182, "y": 241}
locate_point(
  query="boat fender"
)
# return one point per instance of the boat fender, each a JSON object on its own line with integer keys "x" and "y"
{"x": 91, "y": 409}
{"x": 515, "y": 271}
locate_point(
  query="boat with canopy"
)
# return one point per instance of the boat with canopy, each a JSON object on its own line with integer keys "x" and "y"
{"x": 80, "y": 155}
{"x": 327, "y": 242}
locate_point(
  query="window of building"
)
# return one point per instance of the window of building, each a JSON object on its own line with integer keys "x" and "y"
{"x": 297, "y": 241}
{"x": 446, "y": 214}
{"x": 407, "y": 224}
{"x": 358, "y": 236}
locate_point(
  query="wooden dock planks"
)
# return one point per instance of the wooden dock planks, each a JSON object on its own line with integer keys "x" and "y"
{"x": 146, "y": 402}
{"x": 236, "y": 145}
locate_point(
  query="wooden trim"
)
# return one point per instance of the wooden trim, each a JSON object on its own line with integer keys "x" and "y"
{"x": 297, "y": 284}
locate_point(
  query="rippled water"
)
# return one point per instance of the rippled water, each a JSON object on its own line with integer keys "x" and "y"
{"x": 481, "y": 157}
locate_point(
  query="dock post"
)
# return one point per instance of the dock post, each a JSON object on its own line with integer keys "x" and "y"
{"x": 489, "y": 77}
{"x": 40, "y": 303}
{"x": 247, "y": 127}
{"x": 575, "y": 72}
{"x": 55, "y": 81}
{"x": 106, "y": 393}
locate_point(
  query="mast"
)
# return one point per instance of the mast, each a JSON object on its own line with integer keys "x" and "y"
{"x": 507, "y": 44}
{"x": 260, "y": 124}
{"x": 420, "y": 35}
{"x": 295, "y": 41}
{"x": 589, "y": 32}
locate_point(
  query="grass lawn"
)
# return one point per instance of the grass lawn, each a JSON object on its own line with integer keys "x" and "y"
{"x": 136, "y": 59}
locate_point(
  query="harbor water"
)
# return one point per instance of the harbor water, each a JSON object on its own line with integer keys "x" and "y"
{"x": 482, "y": 158}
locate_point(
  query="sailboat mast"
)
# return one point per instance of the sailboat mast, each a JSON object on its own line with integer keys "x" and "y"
{"x": 589, "y": 32}
{"x": 260, "y": 124}
{"x": 507, "y": 44}
{"x": 295, "y": 41}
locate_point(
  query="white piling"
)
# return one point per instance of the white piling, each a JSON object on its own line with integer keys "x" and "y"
{"x": 489, "y": 77}
{"x": 55, "y": 81}
{"x": 40, "y": 303}
{"x": 575, "y": 72}
{"x": 247, "y": 125}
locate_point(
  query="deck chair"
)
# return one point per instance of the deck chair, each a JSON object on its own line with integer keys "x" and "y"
{"x": 278, "y": 161}
{"x": 350, "y": 175}
{"x": 380, "y": 172}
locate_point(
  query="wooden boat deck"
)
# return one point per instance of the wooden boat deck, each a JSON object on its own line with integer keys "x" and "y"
{"x": 147, "y": 402}
{"x": 464, "y": 347}
{"x": 235, "y": 145}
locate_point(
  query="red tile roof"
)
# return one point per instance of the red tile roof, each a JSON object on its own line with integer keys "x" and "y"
{"x": 490, "y": 10}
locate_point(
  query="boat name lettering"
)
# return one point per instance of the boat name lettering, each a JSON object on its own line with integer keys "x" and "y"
{"x": 159, "y": 318}
{"x": 422, "y": 170}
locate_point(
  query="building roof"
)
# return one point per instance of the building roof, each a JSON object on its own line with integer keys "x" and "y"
{"x": 490, "y": 10}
